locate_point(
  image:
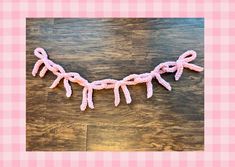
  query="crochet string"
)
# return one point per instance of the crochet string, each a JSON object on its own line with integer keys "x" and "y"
{"x": 132, "y": 79}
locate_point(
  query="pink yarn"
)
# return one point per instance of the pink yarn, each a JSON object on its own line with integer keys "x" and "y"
{"x": 133, "y": 79}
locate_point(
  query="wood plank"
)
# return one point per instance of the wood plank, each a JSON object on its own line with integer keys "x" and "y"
{"x": 57, "y": 136}
{"x": 124, "y": 138}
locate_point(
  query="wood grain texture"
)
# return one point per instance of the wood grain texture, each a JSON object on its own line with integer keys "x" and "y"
{"x": 115, "y": 48}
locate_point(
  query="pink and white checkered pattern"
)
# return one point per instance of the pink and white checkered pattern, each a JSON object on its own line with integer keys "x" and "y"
{"x": 219, "y": 80}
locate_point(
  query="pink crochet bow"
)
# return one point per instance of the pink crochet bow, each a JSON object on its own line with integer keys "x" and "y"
{"x": 133, "y": 79}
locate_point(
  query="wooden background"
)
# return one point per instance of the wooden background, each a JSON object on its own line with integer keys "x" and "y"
{"x": 115, "y": 48}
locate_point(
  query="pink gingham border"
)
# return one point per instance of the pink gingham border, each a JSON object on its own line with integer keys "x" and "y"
{"x": 219, "y": 80}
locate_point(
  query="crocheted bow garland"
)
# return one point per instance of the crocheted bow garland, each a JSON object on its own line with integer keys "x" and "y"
{"x": 133, "y": 79}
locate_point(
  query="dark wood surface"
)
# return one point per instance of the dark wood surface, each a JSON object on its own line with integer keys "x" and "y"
{"x": 115, "y": 48}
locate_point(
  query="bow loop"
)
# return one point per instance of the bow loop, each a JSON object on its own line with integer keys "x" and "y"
{"x": 167, "y": 67}
{"x": 188, "y": 56}
{"x": 40, "y": 53}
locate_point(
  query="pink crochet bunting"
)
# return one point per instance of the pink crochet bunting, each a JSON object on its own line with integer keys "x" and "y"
{"x": 133, "y": 79}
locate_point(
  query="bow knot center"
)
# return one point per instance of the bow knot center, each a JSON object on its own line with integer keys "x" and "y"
{"x": 180, "y": 63}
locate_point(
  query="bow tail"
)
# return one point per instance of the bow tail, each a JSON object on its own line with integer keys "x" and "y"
{"x": 36, "y": 67}
{"x": 163, "y": 82}
{"x": 43, "y": 71}
{"x": 116, "y": 95}
{"x": 149, "y": 89}
{"x": 193, "y": 67}
{"x": 67, "y": 88}
{"x": 126, "y": 94}
{"x": 56, "y": 82}
{"x": 179, "y": 72}
{"x": 84, "y": 99}
{"x": 89, "y": 98}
